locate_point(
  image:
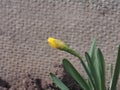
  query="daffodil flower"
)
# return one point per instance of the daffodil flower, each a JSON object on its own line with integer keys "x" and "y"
{"x": 55, "y": 43}
{"x": 58, "y": 44}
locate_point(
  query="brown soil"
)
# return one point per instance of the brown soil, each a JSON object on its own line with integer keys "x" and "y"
{"x": 29, "y": 83}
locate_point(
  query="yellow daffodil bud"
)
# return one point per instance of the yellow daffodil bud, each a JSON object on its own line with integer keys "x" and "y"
{"x": 55, "y": 43}
{"x": 58, "y": 44}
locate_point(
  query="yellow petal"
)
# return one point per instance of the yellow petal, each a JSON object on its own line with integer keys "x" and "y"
{"x": 55, "y": 43}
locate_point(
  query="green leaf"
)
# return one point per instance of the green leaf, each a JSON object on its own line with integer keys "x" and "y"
{"x": 111, "y": 74}
{"x": 101, "y": 65}
{"x": 75, "y": 74}
{"x": 74, "y": 53}
{"x": 93, "y": 72}
{"x": 58, "y": 82}
{"x": 116, "y": 72}
{"x": 111, "y": 71}
{"x": 92, "y": 49}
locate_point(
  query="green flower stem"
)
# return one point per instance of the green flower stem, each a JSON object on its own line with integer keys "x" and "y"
{"x": 71, "y": 51}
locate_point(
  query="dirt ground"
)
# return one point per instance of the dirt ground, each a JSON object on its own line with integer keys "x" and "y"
{"x": 29, "y": 83}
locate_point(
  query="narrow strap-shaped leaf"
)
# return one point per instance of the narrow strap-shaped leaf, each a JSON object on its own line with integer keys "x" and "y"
{"x": 90, "y": 67}
{"x": 116, "y": 72}
{"x": 94, "y": 72}
{"x": 90, "y": 84}
{"x": 102, "y": 68}
{"x": 111, "y": 71}
{"x": 111, "y": 74}
{"x": 71, "y": 51}
{"x": 92, "y": 49}
{"x": 75, "y": 75}
{"x": 58, "y": 82}
{"x": 92, "y": 53}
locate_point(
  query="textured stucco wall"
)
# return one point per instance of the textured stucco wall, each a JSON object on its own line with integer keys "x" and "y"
{"x": 25, "y": 26}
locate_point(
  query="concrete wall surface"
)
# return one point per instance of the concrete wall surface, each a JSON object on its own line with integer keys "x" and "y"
{"x": 25, "y": 26}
